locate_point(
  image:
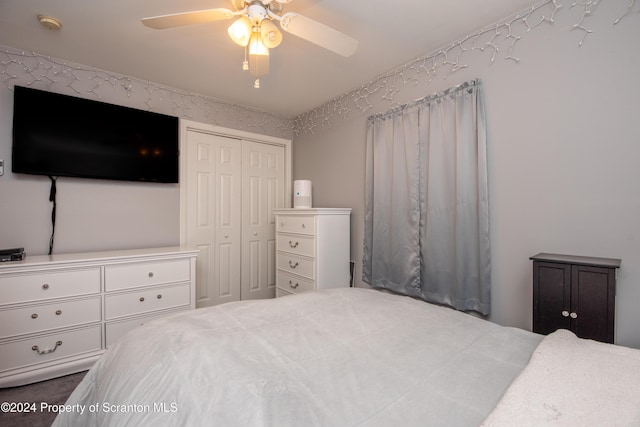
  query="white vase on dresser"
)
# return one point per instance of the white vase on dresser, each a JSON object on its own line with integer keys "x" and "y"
{"x": 59, "y": 313}
{"x": 312, "y": 249}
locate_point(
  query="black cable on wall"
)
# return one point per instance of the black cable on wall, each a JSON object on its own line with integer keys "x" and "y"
{"x": 52, "y": 198}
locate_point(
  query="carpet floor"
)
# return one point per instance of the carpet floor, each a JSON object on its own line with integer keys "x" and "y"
{"x": 53, "y": 392}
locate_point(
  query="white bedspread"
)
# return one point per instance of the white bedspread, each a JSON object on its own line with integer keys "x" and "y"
{"x": 573, "y": 382}
{"x": 340, "y": 357}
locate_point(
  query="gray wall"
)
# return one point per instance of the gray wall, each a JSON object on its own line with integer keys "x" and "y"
{"x": 98, "y": 214}
{"x": 564, "y": 144}
{"x": 563, "y": 148}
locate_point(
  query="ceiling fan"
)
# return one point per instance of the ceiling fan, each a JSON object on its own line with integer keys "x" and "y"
{"x": 254, "y": 29}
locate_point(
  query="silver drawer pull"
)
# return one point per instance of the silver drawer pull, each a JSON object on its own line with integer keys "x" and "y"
{"x": 34, "y": 316}
{"x": 45, "y": 286}
{"x": 292, "y": 286}
{"x": 293, "y": 245}
{"x": 151, "y": 274}
{"x": 159, "y": 296}
{"x": 58, "y": 312}
{"x": 141, "y": 299}
{"x": 292, "y": 265}
{"x": 47, "y": 351}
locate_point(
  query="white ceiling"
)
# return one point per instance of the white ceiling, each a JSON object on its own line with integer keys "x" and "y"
{"x": 202, "y": 59}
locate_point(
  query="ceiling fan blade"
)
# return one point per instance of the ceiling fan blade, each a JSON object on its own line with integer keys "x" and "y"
{"x": 188, "y": 18}
{"x": 319, "y": 34}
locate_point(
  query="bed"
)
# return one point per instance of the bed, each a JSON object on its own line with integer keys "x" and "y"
{"x": 349, "y": 357}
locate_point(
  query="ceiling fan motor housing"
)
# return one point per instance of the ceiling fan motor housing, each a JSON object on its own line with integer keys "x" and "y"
{"x": 256, "y": 12}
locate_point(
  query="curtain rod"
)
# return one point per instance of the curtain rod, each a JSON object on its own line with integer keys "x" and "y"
{"x": 425, "y": 99}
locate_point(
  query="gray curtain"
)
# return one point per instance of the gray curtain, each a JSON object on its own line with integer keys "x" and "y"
{"x": 427, "y": 211}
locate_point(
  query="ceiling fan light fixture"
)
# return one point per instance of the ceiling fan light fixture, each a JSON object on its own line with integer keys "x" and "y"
{"x": 258, "y": 65}
{"x": 258, "y": 62}
{"x": 271, "y": 36}
{"x": 256, "y": 47}
{"x": 240, "y": 31}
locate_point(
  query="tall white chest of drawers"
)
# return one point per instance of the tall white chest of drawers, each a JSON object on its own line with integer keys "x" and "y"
{"x": 59, "y": 313}
{"x": 312, "y": 249}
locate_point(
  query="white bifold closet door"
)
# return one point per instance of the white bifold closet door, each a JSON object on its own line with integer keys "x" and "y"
{"x": 232, "y": 186}
{"x": 262, "y": 192}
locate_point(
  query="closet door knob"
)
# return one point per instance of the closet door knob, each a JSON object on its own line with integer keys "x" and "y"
{"x": 573, "y": 315}
{"x": 565, "y": 313}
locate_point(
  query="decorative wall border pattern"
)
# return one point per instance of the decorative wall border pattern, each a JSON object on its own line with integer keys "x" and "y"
{"x": 494, "y": 39}
{"x": 18, "y": 67}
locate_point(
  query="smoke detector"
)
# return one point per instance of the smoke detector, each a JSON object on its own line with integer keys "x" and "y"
{"x": 49, "y": 22}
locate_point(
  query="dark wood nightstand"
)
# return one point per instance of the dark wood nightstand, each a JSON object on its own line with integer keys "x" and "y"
{"x": 575, "y": 293}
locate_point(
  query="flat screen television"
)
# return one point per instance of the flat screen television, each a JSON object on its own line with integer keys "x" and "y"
{"x": 61, "y": 135}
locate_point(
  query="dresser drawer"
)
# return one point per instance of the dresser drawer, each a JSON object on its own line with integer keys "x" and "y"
{"x": 36, "y": 318}
{"x": 146, "y": 300}
{"x": 46, "y": 284}
{"x": 124, "y": 276}
{"x": 295, "y": 264}
{"x": 117, "y": 329}
{"x": 296, "y": 224}
{"x": 296, "y": 244}
{"x": 45, "y": 348}
{"x": 289, "y": 283}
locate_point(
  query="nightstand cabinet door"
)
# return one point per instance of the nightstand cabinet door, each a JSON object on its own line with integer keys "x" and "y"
{"x": 593, "y": 301}
{"x": 551, "y": 297}
{"x": 575, "y": 293}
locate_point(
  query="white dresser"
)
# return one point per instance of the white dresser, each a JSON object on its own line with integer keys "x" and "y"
{"x": 59, "y": 313}
{"x": 312, "y": 249}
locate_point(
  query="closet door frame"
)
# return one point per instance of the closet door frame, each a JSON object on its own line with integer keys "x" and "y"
{"x": 188, "y": 125}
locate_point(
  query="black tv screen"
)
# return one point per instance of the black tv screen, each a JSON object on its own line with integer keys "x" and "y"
{"x": 60, "y": 135}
